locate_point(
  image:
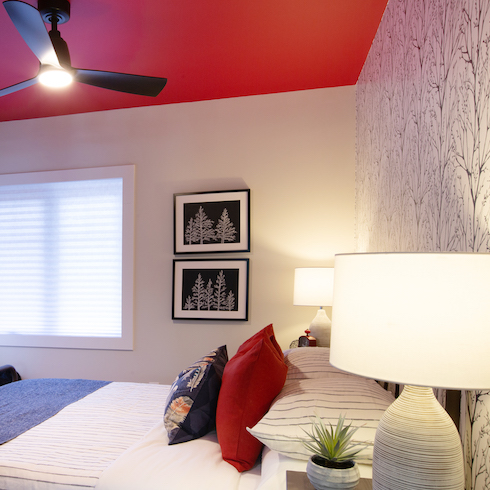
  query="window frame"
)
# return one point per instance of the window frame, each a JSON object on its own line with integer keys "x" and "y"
{"x": 125, "y": 342}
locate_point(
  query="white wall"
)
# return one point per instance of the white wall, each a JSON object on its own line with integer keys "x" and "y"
{"x": 295, "y": 151}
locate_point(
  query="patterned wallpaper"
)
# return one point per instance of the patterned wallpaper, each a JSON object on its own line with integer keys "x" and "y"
{"x": 423, "y": 152}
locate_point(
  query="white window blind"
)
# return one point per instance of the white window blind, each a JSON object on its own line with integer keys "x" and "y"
{"x": 64, "y": 259}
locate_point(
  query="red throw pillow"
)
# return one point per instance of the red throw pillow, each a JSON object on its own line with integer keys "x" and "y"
{"x": 251, "y": 380}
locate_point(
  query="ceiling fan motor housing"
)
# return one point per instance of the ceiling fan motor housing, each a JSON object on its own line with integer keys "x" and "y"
{"x": 58, "y": 8}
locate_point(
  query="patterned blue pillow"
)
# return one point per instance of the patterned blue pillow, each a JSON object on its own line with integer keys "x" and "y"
{"x": 190, "y": 409}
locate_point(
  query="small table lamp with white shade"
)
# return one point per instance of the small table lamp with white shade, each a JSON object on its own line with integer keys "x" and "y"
{"x": 423, "y": 320}
{"x": 313, "y": 286}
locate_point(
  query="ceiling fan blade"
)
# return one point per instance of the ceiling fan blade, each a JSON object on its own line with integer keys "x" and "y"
{"x": 121, "y": 82}
{"x": 18, "y": 86}
{"x": 29, "y": 23}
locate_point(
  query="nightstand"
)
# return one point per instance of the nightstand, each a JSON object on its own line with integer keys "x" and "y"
{"x": 297, "y": 480}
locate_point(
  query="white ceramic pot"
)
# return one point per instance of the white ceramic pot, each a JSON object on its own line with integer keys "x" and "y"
{"x": 324, "y": 478}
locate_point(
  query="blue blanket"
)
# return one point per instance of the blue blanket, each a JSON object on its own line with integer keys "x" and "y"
{"x": 25, "y": 404}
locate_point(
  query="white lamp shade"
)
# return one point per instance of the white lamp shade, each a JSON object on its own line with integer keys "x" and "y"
{"x": 313, "y": 286}
{"x": 413, "y": 318}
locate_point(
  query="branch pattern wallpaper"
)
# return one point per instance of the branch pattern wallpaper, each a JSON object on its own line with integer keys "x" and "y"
{"x": 423, "y": 152}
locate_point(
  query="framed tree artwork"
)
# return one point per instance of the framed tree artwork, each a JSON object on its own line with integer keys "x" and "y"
{"x": 212, "y": 222}
{"x": 210, "y": 289}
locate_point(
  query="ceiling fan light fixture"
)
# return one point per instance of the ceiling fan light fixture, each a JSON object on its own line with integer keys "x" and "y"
{"x": 55, "y": 77}
{"x": 52, "y": 51}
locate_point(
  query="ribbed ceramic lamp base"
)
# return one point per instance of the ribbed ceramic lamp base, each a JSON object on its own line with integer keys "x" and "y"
{"x": 417, "y": 445}
{"x": 320, "y": 328}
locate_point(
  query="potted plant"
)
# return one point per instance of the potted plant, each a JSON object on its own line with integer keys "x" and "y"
{"x": 332, "y": 464}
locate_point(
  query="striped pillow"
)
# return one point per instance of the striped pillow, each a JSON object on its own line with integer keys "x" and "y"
{"x": 361, "y": 400}
{"x": 309, "y": 362}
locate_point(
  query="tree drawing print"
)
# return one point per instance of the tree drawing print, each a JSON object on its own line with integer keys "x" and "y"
{"x": 212, "y": 222}
{"x": 209, "y": 295}
{"x": 200, "y": 228}
{"x": 199, "y": 294}
{"x": 225, "y": 231}
{"x": 230, "y": 301}
{"x": 211, "y": 290}
{"x": 190, "y": 233}
{"x": 220, "y": 291}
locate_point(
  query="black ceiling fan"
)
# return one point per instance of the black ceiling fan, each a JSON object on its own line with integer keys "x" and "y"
{"x": 54, "y": 57}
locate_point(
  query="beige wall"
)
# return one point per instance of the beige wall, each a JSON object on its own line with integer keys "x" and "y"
{"x": 295, "y": 151}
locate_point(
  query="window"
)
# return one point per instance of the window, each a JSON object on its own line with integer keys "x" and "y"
{"x": 66, "y": 258}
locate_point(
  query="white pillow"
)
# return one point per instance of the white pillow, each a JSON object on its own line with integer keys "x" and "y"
{"x": 309, "y": 362}
{"x": 362, "y": 401}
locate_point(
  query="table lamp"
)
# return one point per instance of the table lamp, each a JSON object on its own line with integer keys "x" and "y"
{"x": 313, "y": 286}
{"x": 423, "y": 320}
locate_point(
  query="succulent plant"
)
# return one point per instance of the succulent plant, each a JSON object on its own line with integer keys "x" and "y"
{"x": 333, "y": 443}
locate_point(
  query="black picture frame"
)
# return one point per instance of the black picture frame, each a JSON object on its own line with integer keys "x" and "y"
{"x": 208, "y": 222}
{"x": 197, "y": 285}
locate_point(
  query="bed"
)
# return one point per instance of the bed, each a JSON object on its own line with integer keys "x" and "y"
{"x": 232, "y": 424}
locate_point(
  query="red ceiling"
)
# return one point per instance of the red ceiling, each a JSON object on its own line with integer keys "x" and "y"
{"x": 208, "y": 49}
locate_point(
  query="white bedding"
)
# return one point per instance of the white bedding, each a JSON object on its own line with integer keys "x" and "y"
{"x": 114, "y": 439}
{"x": 116, "y": 435}
{"x": 33, "y": 461}
{"x": 152, "y": 464}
